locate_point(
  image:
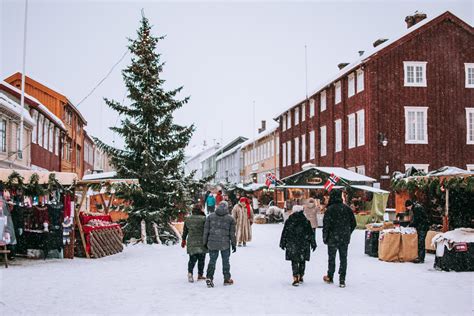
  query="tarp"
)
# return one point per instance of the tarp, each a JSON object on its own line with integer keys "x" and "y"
{"x": 62, "y": 177}
{"x": 324, "y": 172}
{"x": 379, "y": 201}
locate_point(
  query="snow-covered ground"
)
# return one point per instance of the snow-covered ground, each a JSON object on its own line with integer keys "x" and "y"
{"x": 152, "y": 280}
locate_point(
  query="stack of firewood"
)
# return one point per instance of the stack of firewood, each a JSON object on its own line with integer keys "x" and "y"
{"x": 106, "y": 242}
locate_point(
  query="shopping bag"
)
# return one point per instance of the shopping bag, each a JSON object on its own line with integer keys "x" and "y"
{"x": 409, "y": 247}
{"x": 389, "y": 247}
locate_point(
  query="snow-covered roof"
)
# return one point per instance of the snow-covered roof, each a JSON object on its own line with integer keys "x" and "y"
{"x": 372, "y": 52}
{"x": 449, "y": 171}
{"x": 101, "y": 175}
{"x": 260, "y": 136}
{"x": 338, "y": 171}
{"x": 229, "y": 152}
{"x": 251, "y": 186}
{"x": 198, "y": 152}
{"x": 15, "y": 108}
{"x": 39, "y": 105}
{"x": 370, "y": 189}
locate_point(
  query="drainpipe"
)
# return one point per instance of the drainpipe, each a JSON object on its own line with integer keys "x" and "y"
{"x": 22, "y": 101}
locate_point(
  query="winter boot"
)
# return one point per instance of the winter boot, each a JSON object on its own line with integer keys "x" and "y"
{"x": 296, "y": 281}
{"x": 328, "y": 279}
{"x": 201, "y": 277}
{"x": 300, "y": 280}
{"x": 209, "y": 283}
{"x": 190, "y": 278}
{"x": 228, "y": 282}
{"x": 342, "y": 283}
{"x": 244, "y": 244}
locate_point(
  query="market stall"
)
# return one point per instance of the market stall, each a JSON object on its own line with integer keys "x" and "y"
{"x": 99, "y": 233}
{"x": 399, "y": 244}
{"x": 39, "y": 207}
{"x": 455, "y": 250}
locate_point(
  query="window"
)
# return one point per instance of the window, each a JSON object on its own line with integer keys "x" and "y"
{"x": 360, "y": 128}
{"x": 68, "y": 150}
{"x": 18, "y": 135}
{"x": 323, "y": 101}
{"x": 303, "y": 148}
{"x": 323, "y": 141}
{"x": 283, "y": 118}
{"x": 470, "y": 168}
{"x": 470, "y": 126}
{"x": 284, "y": 154}
{"x": 78, "y": 156}
{"x": 45, "y": 133}
{"x": 56, "y": 141}
{"x": 288, "y": 120}
{"x": 360, "y": 80}
{"x": 416, "y": 130}
{"x": 288, "y": 156}
{"x": 3, "y": 135}
{"x": 51, "y": 137}
{"x": 297, "y": 116}
{"x": 311, "y": 145}
{"x": 40, "y": 130}
{"x": 422, "y": 167}
{"x": 303, "y": 112}
{"x": 351, "y": 131}
{"x": 351, "y": 85}
{"x": 311, "y": 108}
{"x": 337, "y": 92}
{"x": 361, "y": 170}
{"x": 338, "y": 136}
{"x": 415, "y": 73}
{"x": 277, "y": 145}
{"x": 469, "y": 75}
{"x": 272, "y": 148}
{"x": 35, "y": 128}
{"x": 297, "y": 150}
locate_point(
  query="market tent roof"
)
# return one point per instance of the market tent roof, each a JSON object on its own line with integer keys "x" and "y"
{"x": 101, "y": 175}
{"x": 62, "y": 177}
{"x": 251, "y": 187}
{"x": 370, "y": 189}
{"x": 305, "y": 187}
{"x": 449, "y": 171}
{"x": 342, "y": 173}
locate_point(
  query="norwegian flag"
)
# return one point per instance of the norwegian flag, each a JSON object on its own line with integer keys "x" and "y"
{"x": 331, "y": 182}
{"x": 270, "y": 179}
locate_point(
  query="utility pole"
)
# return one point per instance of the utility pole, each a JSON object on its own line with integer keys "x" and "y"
{"x": 22, "y": 101}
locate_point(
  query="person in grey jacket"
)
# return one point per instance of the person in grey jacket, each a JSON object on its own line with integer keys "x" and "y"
{"x": 219, "y": 235}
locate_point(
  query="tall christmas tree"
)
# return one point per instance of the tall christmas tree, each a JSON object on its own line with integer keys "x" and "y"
{"x": 154, "y": 145}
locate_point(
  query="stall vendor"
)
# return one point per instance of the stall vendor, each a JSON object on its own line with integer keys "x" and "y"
{"x": 420, "y": 222}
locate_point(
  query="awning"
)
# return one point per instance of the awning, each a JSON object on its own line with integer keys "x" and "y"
{"x": 315, "y": 187}
{"x": 62, "y": 177}
{"x": 370, "y": 189}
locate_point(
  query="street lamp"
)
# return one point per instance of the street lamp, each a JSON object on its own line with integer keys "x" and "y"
{"x": 383, "y": 139}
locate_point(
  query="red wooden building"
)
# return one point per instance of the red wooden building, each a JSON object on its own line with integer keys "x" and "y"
{"x": 407, "y": 102}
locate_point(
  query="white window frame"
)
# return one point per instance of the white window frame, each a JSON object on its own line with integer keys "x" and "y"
{"x": 297, "y": 150}
{"x": 277, "y": 145}
{"x": 34, "y": 133}
{"x": 360, "y": 80}
{"x": 416, "y": 109}
{"x": 323, "y": 101}
{"x": 470, "y": 167}
{"x": 338, "y": 135}
{"x": 297, "y": 116}
{"x": 288, "y": 156}
{"x": 350, "y": 85}
{"x": 418, "y": 166}
{"x": 337, "y": 93}
{"x": 311, "y": 107}
{"x": 360, "y": 128}
{"x": 351, "y": 130}
{"x": 283, "y": 118}
{"x": 469, "y": 129}
{"x": 415, "y": 64}
{"x": 303, "y": 112}
{"x": 40, "y": 130}
{"x": 361, "y": 169}
{"x": 303, "y": 148}
{"x": 3, "y": 135}
{"x": 288, "y": 120}
{"x": 323, "y": 141}
{"x": 51, "y": 137}
{"x": 311, "y": 145}
{"x": 467, "y": 67}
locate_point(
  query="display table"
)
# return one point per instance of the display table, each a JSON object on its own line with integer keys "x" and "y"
{"x": 42, "y": 240}
{"x": 455, "y": 250}
{"x": 398, "y": 245}
{"x": 103, "y": 238}
{"x": 429, "y": 237}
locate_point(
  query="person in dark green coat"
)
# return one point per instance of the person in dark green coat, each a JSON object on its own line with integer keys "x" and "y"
{"x": 193, "y": 238}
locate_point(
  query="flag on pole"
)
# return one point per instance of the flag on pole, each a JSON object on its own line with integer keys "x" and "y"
{"x": 270, "y": 179}
{"x": 332, "y": 181}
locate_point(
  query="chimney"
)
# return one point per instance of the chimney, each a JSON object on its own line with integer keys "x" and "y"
{"x": 413, "y": 19}
{"x": 342, "y": 65}
{"x": 264, "y": 126}
{"x": 361, "y": 52}
{"x": 379, "y": 41}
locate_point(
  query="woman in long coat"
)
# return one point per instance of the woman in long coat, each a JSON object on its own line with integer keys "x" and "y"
{"x": 311, "y": 210}
{"x": 193, "y": 239}
{"x": 243, "y": 215}
{"x": 297, "y": 239}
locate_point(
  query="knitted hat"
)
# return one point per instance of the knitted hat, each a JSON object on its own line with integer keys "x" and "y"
{"x": 408, "y": 203}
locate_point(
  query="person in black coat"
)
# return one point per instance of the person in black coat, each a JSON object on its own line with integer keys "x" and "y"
{"x": 338, "y": 224}
{"x": 420, "y": 222}
{"x": 297, "y": 239}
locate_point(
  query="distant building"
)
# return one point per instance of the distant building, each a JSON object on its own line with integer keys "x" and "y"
{"x": 229, "y": 165}
{"x": 194, "y": 160}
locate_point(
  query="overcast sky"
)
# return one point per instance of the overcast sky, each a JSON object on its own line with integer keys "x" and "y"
{"x": 226, "y": 55}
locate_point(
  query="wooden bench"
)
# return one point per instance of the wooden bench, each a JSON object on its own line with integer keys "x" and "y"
{"x": 3, "y": 249}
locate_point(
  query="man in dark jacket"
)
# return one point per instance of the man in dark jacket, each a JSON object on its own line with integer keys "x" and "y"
{"x": 420, "y": 222}
{"x": 338, "y": 224}
{"x": 193, "y": 231}
{"x": 219, "y": 235}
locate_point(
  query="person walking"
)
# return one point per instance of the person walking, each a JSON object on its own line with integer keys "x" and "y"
{"x": 211, "y": 203}
{"x": 193, "y": 238}
{"x": 311, "y": 209}
{"x": 338, "y": 224}
{"x": 219, "y": 236}
{"x": 420, "y": 222}
{"x": 297, "y": 238}
{"x": 243, "y": 216}
{"x": 219, "y": 197}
